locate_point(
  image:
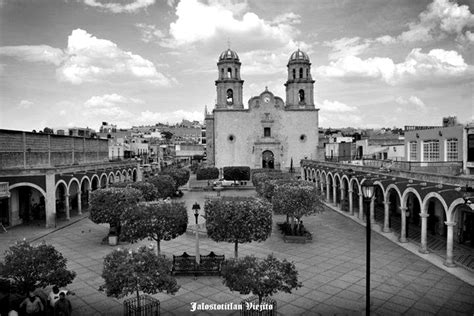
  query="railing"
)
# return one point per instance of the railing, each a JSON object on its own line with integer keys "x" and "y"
{"x": 148, "y": 306}
{"x": 441, "y": 167}
{"x": 4, "y": 189}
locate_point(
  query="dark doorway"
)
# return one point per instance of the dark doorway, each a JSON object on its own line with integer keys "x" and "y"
{"x": 268, "y": 161}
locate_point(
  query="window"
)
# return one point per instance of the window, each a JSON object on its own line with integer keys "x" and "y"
{"x": 229, "y": 72}
{"x": 452, "y": 149}
{"x": 294, "y": 73}
{"x": 301, "y": 72}
{"x": 431, "y": 150}
{"x": 307, "y": 73}
{"x": 302, "y": 137}
{"x": 412, "y": 150}
{"x": 301, "y": 96}
{"x": 230, "y": 97}
{"x": 231, "y": 138}
{"x": 266, "y": 132}
{"x": 222, "y": 73}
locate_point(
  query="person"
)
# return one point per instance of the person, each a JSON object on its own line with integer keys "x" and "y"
{"x": 62, "y": 307}
{"x": 33, "y": 304}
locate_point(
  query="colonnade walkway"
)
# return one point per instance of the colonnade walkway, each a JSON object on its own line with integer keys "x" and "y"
{"x": 331, "y": 269}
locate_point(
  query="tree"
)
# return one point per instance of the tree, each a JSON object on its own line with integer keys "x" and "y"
{"x": 179, "y": 175}
{"x": 107, "y": 205}
{"x": 237, "y": 173}
{"x": 164, "y": 184}
{"x": 156, "y": 221}
{"x": 128, "y": 272}
{"x": 238, "y": 220}
{"x": 29, "y": 267}
{"x": 148, "y": 190}
{"x": 261, "y": 277}
{"x": 48, "y": 130}
{"x": 296, "y": 199}
{"x": 167, "y": 135}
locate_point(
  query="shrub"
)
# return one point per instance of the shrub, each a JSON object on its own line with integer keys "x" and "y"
{"x": 207, "y": 173}
{"x": 237, "y": 173}
{"x": 179, "y": 175}
{"x": 148, "y": 190}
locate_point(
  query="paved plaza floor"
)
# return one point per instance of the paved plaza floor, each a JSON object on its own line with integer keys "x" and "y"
{"x": 331, "y": 268}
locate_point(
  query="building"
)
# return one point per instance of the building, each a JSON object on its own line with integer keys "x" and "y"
{"x": 270, "y": 133}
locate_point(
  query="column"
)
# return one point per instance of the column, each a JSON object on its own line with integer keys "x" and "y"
{"x": 327, "y": 191}
{"x": 449, "y": 245}
{"x": 361, "y": 207}
{"x": 88, "y": 197}
{"x": 334, "y": 193}
{"x": 424, "y": 246}
{"x": 66, "y": 203}
{"x": 386, "y": 217}
{"x": 79, "y": 203}
{"x": 351, "y": 207}
{"x": 316, "y": 181}
{"x": 322, "y": 186}
{"x": 403, "y": 232}
{"x": 343, "y": 195}
{"x": 372, "y": 210}
{"x": 50, "y": 200}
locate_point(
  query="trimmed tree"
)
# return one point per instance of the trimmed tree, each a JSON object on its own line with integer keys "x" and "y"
{"x": 237, "y": 173}
{"x": 261, "y": 277}
{"x": 148, "y": 190}
{"x": 179, "y": 175}
{"x": 29, "y": 267}
{"x": 164, "y": 184}
{"x": 296, "y": 199}
{"x": 209, "y": 173}
{"x": 107, "y": 205}
{"x": 131, "y": 272}
{"x": 156, "y": 221}
{"x": 238, "y": 220}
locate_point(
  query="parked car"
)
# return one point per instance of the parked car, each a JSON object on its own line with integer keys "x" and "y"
{"x": 225, "y": 183}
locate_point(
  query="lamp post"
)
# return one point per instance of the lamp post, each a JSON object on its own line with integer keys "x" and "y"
{"x": 368, "y": 193}
{"x": 196, "y": 208}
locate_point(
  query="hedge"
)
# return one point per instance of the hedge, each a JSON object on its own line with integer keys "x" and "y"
{"x": 240, "y": 173}
{"x": 209, "y": 173}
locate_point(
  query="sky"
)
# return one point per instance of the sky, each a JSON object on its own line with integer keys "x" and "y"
{"x": 376, "y": 63}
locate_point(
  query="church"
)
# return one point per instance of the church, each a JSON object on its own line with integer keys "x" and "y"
{"x": 269, "y": 133}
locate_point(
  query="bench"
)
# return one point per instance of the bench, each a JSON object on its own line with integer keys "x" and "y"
{"x": 187, "y": 265}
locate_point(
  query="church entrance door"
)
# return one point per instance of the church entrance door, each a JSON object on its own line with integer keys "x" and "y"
{"x": 268, "y": 160}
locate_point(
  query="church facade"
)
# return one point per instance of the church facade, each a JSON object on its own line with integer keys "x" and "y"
{"x": 270, "y": 133}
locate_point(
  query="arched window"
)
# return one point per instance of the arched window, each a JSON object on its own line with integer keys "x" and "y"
{"x": 307, "y": 73}
{"x": 222, "y": 73}
{"x": 230, "y": 96}
{"x": 301, "y": 96}
{"x": 229, "y": 72}
{"x": 294, "y": 73}
{"x": 301, "y": 72}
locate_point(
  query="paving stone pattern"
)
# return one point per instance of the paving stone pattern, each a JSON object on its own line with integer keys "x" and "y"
{"x": 331, "y": 268}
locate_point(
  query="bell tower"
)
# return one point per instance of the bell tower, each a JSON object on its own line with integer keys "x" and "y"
{"x": 300, "y": 84}
{"x": 229, "y": 85}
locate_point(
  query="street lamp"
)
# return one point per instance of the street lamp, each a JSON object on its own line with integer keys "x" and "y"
{"x": 368, "y": 193}
{"x": 196, "y": 207}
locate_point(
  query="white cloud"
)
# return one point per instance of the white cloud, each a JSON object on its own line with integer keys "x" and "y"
{"x": 436, "y": 65}
{"x": 25, "y": 104}
{"x": 131, "y": 7}
{"x": 336, "y": 106}
{"x": 39, "y": 53}
{"x": 149, "y": 32}
{"x": 412, "y": 100}
{"x": 441, "y": 18}
{"x": 218, "y": 20}
{"x": 347, "y": 47}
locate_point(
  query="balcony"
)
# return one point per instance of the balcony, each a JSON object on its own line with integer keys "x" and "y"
{"x": 4, "y": 190}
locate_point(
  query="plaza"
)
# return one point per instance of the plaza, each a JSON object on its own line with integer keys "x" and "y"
{"x": 331, "y": 268}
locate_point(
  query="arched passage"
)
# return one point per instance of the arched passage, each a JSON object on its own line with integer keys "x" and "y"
{"x": 379, "y": 199}
{"x": 27, "y": 204}
{"x": 268, "y": 161}
{"x": 74, "y": 196}
{"x": 134, "y": 175}
{"x": 62, "y": 200}
{"x": 85, "y": 191}
{"x": 345, "y": 193}
{"x": 103, "y": 181}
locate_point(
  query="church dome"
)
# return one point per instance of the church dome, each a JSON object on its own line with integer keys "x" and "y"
{"x": 299, "y": 56}
{"x": 228, "y": 55}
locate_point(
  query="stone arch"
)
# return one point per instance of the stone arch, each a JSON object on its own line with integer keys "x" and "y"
{"x": 124, "y": 175}
{"x": 424, "y": 205}
{"x": 396, "y": 189}
{"x": 111, "y": 178}
{"x": 28, "y": 184}
{"x": 118, "y": 176}
{"x": 346, "y": 182}
{"x": 452, "y": 209}
{"x": 129, "y": 174}
{"x": 134, "y": 175}
{"x": 70, "y": 183}
{"x": 96, "y": 177}
{"x": 382, "y": 188}
{"x": 102, "y": 183}
{"x": 23, "y": 202}
{"x": 88, "y": 181}
{"x": 405, "y": 196}
{"x": 63, "y": 182}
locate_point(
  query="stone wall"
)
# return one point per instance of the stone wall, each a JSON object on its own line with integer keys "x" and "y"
{"x": 33, "y": 150}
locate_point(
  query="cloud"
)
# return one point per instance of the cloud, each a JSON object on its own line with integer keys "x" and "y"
{"x": 25, "y": 104}
{"x": 131, "y": 7}
{"x": 436, "y": 65}
{"x": 39, "y": 53}
{"x": 441, "y": 18}
{"x": 412, "y": 100}
{"x": 149, "y": 32}
{"x": 217, "y": 20}
{"x": 336, "y": 107}
{"x": 347, "y": 47}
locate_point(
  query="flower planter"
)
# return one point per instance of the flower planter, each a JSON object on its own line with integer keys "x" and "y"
{"x": 113, "y": 240}
{"x": 148, "y": 306}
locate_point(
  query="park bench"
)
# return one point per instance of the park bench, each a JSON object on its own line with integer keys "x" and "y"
{"x": 187, "y": 265}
